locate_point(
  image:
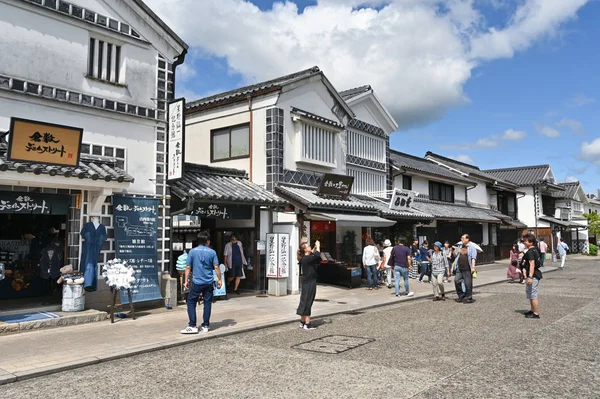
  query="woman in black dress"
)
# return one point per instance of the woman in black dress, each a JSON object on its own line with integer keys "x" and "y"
{"x": 309, "y": 262}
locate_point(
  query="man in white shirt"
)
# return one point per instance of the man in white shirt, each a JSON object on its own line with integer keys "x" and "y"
{"x": 562, "y": 248}
{"x": 371, "y": 261}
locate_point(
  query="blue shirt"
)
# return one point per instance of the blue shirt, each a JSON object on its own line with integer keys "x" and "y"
{"x": 471, "y": 251}
{"x": 202, "y": 261}
{"x": 424, "y": 254}
{"x": 236, "y": 254}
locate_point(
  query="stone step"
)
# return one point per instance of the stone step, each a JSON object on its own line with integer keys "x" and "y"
{"x": 66, "y": 319}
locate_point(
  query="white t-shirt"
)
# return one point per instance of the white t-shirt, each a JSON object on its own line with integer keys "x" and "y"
{"x": 371, "y": 255}
{"x": 387, "y": 252}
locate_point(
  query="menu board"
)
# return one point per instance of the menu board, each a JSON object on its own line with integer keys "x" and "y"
{"x": 136, "y": 227}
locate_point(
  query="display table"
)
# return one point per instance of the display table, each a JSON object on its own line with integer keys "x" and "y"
{"x": 339, "y": 273}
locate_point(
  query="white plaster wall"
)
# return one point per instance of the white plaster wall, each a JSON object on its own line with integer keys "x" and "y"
{"x": 364, "y": 114}
{"x": 479, "y": 195}
{"x": 312, "y": 97}
{"x": 48, "y": 48}
{"x": 486, "y": 234}
{"x": 100, "y": 127}
{"x": 526, "y": 207}
{"x": 459, "y": 193}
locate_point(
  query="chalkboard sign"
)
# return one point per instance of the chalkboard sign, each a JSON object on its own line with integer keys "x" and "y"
{"x": 336, "y": 185}
{"x": 222, "y": 211}
{"x": 136, "y": 227}
{"x": 36, "y": 204}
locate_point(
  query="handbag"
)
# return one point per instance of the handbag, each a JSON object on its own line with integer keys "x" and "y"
{"x": 514, "y": 262}
{"x": 392, "y": 260}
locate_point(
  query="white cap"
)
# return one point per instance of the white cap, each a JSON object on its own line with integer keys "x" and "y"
{"x": 387, "y": 243}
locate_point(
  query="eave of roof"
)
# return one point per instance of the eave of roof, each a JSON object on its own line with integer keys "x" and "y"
{"x": 161, "y": 23}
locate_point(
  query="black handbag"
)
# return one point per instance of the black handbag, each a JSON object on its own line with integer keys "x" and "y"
{"x": 514, "y": 263}
{"x": 392, "y": 260}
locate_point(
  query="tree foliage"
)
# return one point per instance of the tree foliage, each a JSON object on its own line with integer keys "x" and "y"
{"x": 593, "y": 223}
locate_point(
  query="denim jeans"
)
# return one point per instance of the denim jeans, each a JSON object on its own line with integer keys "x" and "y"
{"x": 372, "y": 276}
{"x": 464, "y": 284}
{"x": 424, "y": 267}
{"x": 401, "y": 271}
{"x": 192, "y": 301}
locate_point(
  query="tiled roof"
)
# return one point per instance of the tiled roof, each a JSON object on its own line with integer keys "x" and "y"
{"x": 317, "y": 118}
{"x": 384, "y": 209}
{"x": 310, "y": 199}
{"x": 351, "y": 93}
{"x": 409, "y": 162}
{"x": 471, "y": 170}
{"x": 570, "y": 190}
{"x": 455, "y": 212}
{"x": 220, "y": 184}
{"x": 274, "y": 84}
{"x": 90, "y": 167}
{"x": 367, "y": 127}
{"x": 563, "y": 223}
{"x": 521, "y": 176}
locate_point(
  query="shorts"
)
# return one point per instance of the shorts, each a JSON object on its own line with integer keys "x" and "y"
{"x": 532, "y": 290}
{"x": 236, "y": 270}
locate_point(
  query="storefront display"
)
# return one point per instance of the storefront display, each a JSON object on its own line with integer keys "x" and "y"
{"x": 93, "y": 235}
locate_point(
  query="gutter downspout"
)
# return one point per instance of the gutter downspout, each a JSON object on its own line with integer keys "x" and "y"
{"x": 251, "y": 136}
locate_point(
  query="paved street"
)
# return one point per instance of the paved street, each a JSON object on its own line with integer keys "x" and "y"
{"x": 415, "y": 349}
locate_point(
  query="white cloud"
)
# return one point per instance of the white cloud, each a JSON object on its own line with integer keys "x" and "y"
{"x": 575, "y": 126}
{"x": 185, "y": 72}
{"x": 487, "y": 143}
{"x": 513, "y": 135}
{"x": 547, "y": 131}
{"x": 591, "y": 151}
{"x": 580, "y": 100}
{"x": 417, "y": 57}
{"x": 463, "y": 158}
{"x": 571, "y": 179}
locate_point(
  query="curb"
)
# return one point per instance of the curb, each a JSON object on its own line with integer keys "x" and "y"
{"x": 42, "y": 371}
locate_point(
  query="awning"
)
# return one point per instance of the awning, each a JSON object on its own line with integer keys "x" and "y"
{"x": 210, "y": 184}
{"x": 449, "y": 211}
{"x": 563, "y": 223}
{"x": 352, "y": 220}
{"x": 308, "y": 198}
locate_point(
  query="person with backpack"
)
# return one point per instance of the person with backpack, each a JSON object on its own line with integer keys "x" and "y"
{"x": 416, "y": 257}
{"x": 371, "y": 261}
{"x": 562, "y": 249}
{"x": 531, "y": 262}
{"x": 438, "y": 271}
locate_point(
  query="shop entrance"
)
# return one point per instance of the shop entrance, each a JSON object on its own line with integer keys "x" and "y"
{"x": 32, "y": 251}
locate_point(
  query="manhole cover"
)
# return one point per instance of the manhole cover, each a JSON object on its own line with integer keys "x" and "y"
{"x": 321, "y": 300}
{"x": 333, "y": 344}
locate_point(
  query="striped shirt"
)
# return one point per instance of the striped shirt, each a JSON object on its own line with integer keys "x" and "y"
{"x": 438, "y": 263}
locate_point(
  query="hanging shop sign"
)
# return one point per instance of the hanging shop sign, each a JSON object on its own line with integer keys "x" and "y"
{"x": 36, "y": 204}
{"x": 336, "y": 185}
{"x": 222, "y": 211}
{"x": 46, "y": 143}
{"x": 402, "y": 200}
{"x": 176, "y": 139}
{"x": 322, "y": 227}
{"x": 136, "y": 227}
{"x": 278, "y": 255}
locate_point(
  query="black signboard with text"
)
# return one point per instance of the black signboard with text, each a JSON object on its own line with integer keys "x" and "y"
{"x": 136, "y": 229}
{"x": 222, "y": 211}
{"x": 36, "y": 204}
{"x": 336, "y": 185}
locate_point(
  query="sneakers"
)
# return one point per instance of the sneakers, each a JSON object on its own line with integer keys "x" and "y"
{"x": 390, "y": 286}
{"x": 189, "y": 330}
{"x": 397, "y": 296}
{"x": 443, "y": 297}
{"x": 528, "y": 313}
{"x": 437, "y": 298}
{"x": 309, "y": 327}
{"x": 468, "y": 300}
{"x": 204, "y": 329}
{"x": 236, "y": 292}
{"x": 410, "y": 294}
{"x": 532, "y": 316}
{"x": 301, "y": 324}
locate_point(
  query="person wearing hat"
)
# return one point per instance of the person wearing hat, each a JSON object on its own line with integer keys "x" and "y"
{"x": 438, "y": 271}
{"x": 387, "y": 253}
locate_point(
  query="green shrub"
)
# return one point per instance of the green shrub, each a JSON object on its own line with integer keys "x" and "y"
{"x": 593, "y": 250}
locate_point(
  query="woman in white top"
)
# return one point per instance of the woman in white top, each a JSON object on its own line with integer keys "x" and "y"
{"x": 387, "y": 253}
{"x": 371, "y": 260}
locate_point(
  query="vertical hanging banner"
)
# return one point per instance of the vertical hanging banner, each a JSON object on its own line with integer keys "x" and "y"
{"x": 272, "y": 255}
{"x": 176, "y": 140}
{"x": 284, "y": 255}
{"x": 136, "y": 227}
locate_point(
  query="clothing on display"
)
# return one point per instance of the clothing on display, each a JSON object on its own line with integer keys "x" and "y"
{"x": 94, "y": 235}
{"x": 52, "y": 259}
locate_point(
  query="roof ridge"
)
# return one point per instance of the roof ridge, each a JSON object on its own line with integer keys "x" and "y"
{"x": 412, "y": 156}
{"x": 433, "y": 154}
{"x": 519, "y": 167}
{"x": 215, "y": 170}
{"x": 270, "y": 82}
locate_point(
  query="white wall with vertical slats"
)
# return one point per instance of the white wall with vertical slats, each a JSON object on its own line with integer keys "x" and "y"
{"x": 366, "y": 146}
{"x": 318, "y": 144}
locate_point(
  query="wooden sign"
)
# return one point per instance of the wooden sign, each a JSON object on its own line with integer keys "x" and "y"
{"x": 336, "y": 185}
{"x": 40, "y": 142}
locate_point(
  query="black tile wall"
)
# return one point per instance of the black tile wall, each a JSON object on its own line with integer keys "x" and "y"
{"x": 275, "y": 125}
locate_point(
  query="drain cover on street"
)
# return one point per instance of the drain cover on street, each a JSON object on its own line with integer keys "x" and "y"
{"x": 333, "y": 344}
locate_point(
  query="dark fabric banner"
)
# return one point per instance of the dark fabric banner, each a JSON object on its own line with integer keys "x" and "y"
{"x": 136, "y": 228}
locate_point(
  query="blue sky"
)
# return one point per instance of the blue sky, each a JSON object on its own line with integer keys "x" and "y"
{"x": 498, "y": 83}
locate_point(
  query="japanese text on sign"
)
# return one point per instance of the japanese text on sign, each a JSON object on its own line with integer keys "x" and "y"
{"x": 176, "y": 137}
{"x": 271, "y": 255}
{"x": 284, "y": 258}
{"x": 336, "y": 185}
{"x": 211, "y": 212}
{"x": 24, "y": 204}
{"x": 402, "y": 200}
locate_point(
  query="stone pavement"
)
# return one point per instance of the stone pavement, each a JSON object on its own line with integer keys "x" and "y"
{"x": 34, "y": 353}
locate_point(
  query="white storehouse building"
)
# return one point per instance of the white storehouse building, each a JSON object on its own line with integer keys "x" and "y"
{"x": 103, "y": 68}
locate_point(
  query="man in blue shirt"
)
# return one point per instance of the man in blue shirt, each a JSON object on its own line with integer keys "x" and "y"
{"x": 464, "y": 278}
{"x": 201, "y": 263}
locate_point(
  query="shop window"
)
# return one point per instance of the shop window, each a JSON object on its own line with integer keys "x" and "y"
{"x": 104, "y": 61}
{"x": 230, "y": 143}
{"x": 441, "y": 192}
{"x": 407, "y": 182}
